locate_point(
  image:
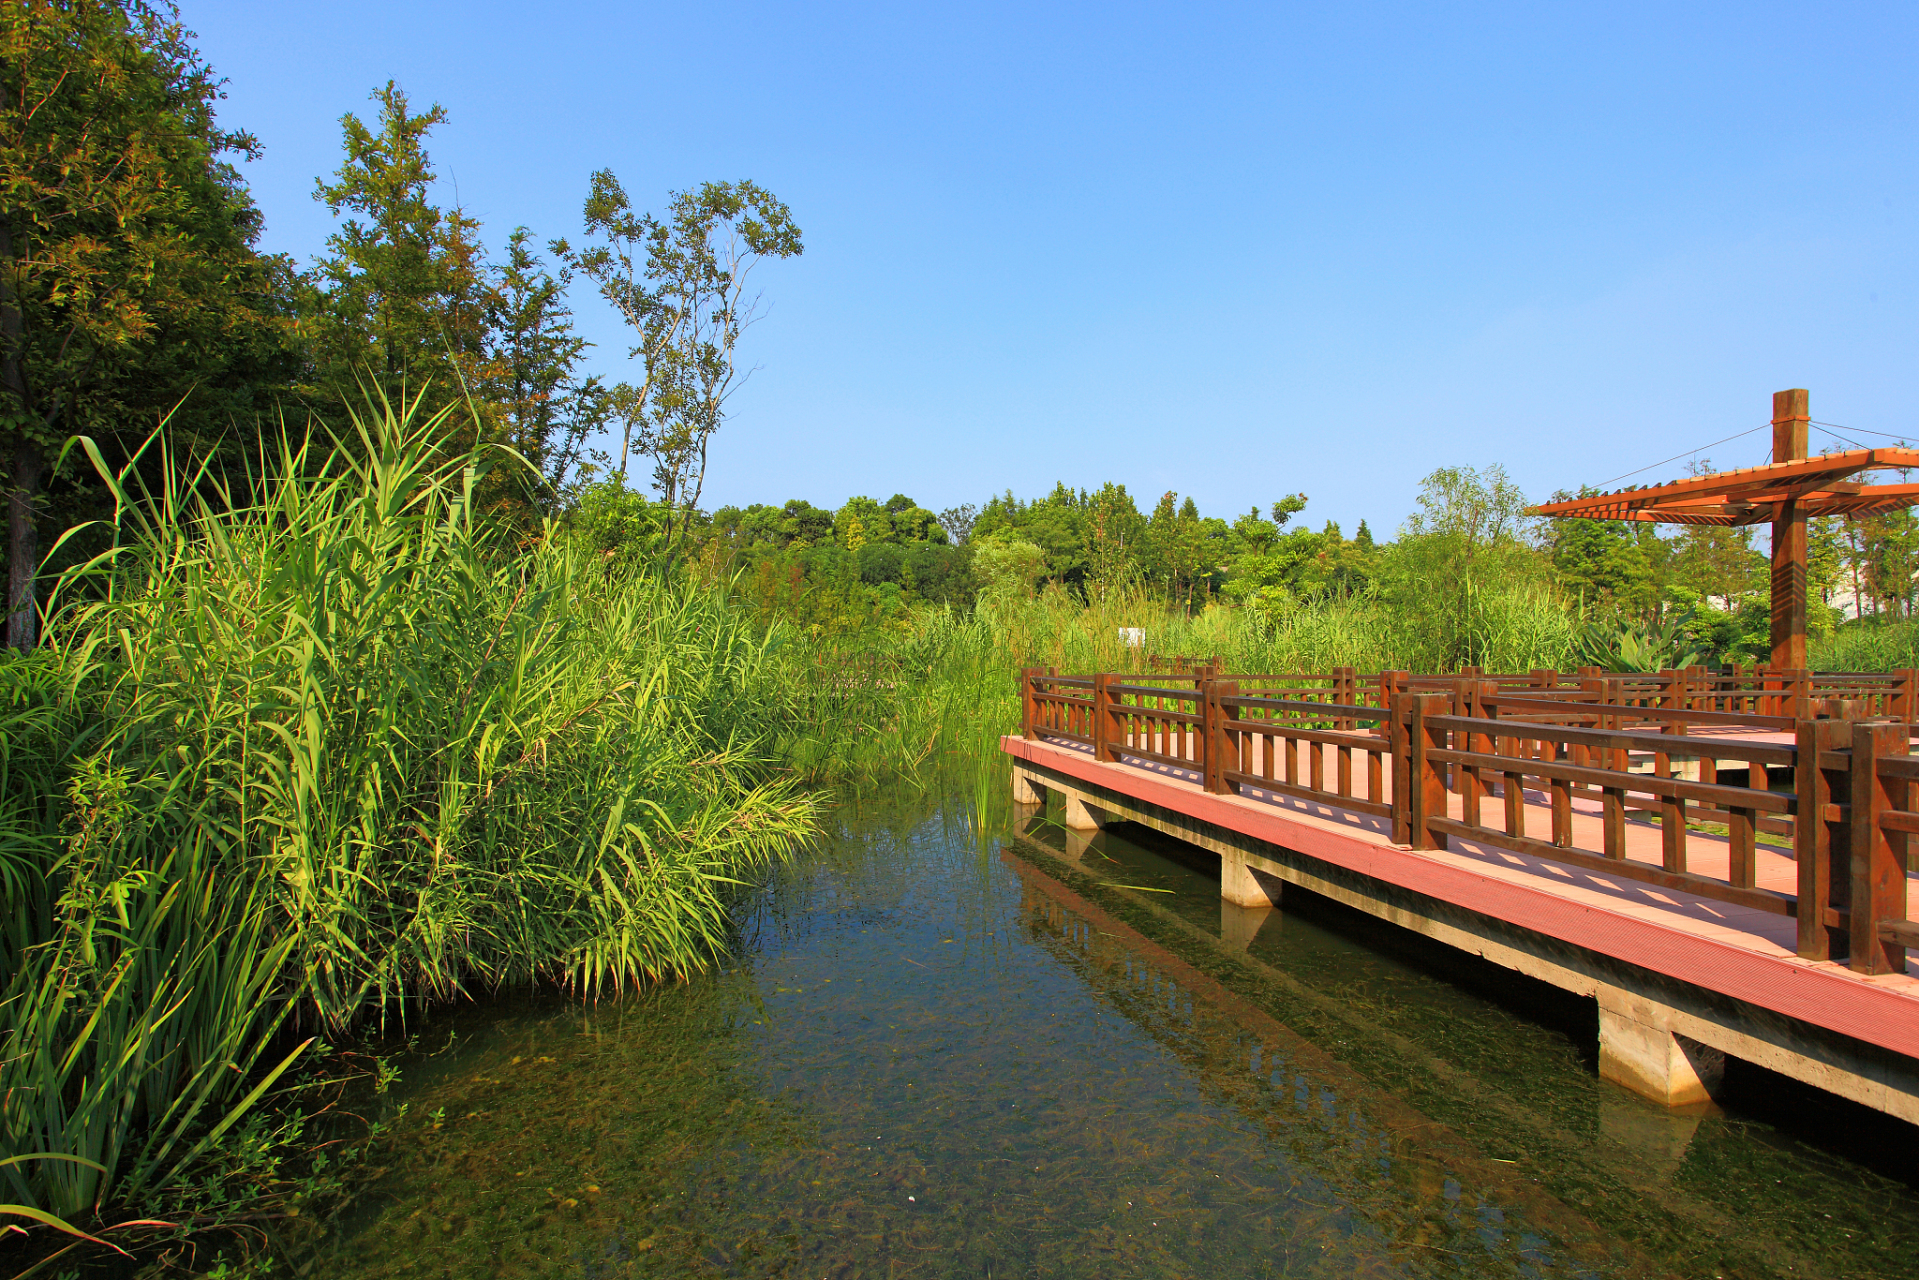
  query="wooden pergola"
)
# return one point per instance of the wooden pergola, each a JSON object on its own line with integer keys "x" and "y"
{"x": 1786, "y": 492}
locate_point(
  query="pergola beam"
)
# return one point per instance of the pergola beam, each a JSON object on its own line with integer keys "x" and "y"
{"x": 1788, "y": 491}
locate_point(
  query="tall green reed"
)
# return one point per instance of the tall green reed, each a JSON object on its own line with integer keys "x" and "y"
{"x": 301, "y": 760}
{"x": 933, "y": 702}
{"x": 1866, "y": 645}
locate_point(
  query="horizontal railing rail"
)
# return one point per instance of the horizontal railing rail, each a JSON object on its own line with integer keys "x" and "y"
{"x": 1569, "y": 767}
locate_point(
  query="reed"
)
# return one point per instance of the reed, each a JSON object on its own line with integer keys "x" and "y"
{"x": 287, "y": 765}
{"x": 927, "y": 706}
{"x": 1866, "y": 645}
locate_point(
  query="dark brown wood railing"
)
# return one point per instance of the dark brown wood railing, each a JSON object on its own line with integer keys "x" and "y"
{"x": 1564, "y": 764}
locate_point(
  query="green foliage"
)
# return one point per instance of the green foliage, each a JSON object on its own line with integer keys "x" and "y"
{"x": 402, "y": 294}
{"x": 1632, "y": 647}
{"x": 682, "y": 283}
{"x": 1007, "y": 567}
{"x": 547, "y": 410}
{"x": 1869, "y": 644}
{"x": 129, "y": 281}
{"x": 331, "y": 753}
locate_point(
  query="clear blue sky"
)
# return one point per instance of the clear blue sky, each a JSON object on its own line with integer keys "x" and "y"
{"x": 1234, "y": 252}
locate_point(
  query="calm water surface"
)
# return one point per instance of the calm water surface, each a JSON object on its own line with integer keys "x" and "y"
{"x": 948, "y": 1050}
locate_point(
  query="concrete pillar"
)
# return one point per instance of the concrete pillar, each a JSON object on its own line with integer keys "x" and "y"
{"x": 1081, "y": 816}
{"x": 1025, "y": 790}
{"x": 1239, "y": 886}
{"x": 1238, "y": 925}
{"x": 1638, "y": 1054}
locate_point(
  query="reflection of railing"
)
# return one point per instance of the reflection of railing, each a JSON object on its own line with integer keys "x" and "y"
{"x": 1568, "y": 766}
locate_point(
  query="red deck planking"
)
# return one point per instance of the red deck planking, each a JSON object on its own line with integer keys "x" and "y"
{"x": 1739, "y": 952}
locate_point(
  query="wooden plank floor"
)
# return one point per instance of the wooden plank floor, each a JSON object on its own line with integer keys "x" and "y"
{"x": 1765, "y": 937}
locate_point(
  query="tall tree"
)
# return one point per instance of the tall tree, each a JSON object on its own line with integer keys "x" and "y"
{"x": 128, "y": 275}
{"x": 684, "y": 284}
{"x": 715, "y": 237}
{"x": 402, "y": 295}
{"x": 623, "y": 265}
{"x": 547, "y": 410}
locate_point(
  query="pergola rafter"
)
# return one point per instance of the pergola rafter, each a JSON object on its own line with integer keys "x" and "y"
{"x": 1785, "y": 492}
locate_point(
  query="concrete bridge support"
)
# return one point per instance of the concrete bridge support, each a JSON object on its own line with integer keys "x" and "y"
{"x": 1638, "y": 1050}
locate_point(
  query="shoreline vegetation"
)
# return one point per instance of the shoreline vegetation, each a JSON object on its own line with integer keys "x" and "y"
{"x": 306, "y": 729}
{"x": 286, "y": 768}
{"x": 296, "y": 762}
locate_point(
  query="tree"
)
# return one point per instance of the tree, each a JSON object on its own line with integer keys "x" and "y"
{"x": 1175, "y": 546}
{"x": 1477, "y": 509}
{"x": 129, "y": 283}
{"x": 1469, "y": 543}
{"x": 958, "y": 522}
{"x": 1115, "y": 532}
{"x": 1718, "y": 562}
{"x": 682, "y": 284}
{"x": 622, "y": 267}
{"x": 547, "y": 411}
{"x": 402, "y": 295}
{"x": 1890, "y": 545}
{"x": 702, "y": 264}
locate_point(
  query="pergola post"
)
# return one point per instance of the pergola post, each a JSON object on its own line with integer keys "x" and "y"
{"x": 1790, "y": 419}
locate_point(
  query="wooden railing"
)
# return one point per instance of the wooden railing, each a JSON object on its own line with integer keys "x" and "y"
{"x": 1566, "y": 766}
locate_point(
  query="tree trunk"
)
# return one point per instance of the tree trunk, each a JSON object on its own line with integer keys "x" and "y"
{"x": 23, "y": 543}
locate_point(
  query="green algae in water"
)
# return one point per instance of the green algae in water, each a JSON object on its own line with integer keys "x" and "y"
{"x": 948, "y": 1056}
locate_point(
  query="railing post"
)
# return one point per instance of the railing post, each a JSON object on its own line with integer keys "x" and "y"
{"x": 1346, "y": 692}
{"x": 1104, "y": 749}
{"x": 1878, "y": 861}
{"x": 1209, "y": 735}
{"x": 1026, "y": 727}
{"x": 1391, "y": 685}
{"x": 1424, "y": 796}
{"x": 1900, "y": 706}
{"x": 1823, "y": 882}
{"x": 1222, "y": 744}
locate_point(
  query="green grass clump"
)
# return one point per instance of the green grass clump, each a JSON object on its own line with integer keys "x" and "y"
{"x": 298, "y": 762}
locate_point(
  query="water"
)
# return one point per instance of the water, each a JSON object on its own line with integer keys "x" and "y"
{"x": 952, "y": 1052}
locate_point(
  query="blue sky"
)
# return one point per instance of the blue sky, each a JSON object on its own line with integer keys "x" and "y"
{"x": 1235, "y": 252}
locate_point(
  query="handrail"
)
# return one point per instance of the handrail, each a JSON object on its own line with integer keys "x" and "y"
{"x": 1583, "y": 761}
{"x": 1650, "y": 713}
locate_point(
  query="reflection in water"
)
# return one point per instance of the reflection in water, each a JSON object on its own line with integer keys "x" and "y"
{"x": 948, "y": 1055}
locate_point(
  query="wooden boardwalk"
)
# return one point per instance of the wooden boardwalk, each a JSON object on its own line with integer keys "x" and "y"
{"x": 1680, "y": 976}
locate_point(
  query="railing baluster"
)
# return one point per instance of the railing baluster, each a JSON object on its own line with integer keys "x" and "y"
{"x": 1613, "y": 820}
{"x": 1562, "y": 793}
{"x": 1741, "y": 870}
{"x": 1672, "y": 832}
